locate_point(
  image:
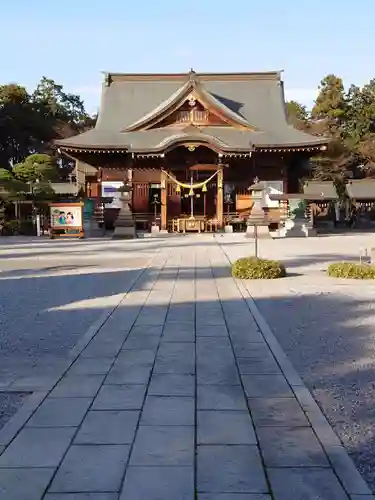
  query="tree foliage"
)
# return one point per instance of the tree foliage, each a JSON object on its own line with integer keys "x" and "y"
{"x": 297, "y": 115}
{"x": 31, "y": 178}
{"x": 330, "y": 103}
{"x": 29, "y": 123}
{"x": 347, "y": 118}
{"x": 36, "y": 168}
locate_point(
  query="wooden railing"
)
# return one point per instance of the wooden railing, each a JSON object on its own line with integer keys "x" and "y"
{"x": 194, "y": 115}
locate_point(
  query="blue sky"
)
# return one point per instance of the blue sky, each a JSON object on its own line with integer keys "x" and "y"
{"x": 72, "y": 41}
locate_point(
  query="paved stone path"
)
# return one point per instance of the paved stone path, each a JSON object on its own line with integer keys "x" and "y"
{"x": 183, "y": 393}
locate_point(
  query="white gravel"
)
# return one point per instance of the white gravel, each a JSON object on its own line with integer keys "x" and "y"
{"x": 327, "y": 328}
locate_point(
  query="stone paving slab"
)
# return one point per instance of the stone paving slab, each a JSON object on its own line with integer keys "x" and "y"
{"x": 120, "y": 397}
{"x": 164, "y": 384}
{"x": 164, "y": 446}
{"x": 225, "y": 469}
{"x": 108, "y": 427}
{"x": 91, "y": 468}
{"x": 301, "y": 483}
{"x": 60, "y": 412}
{"x": 24, "y": 484}
{"x": 231, "y": 496}
{"x": 183, "y": 397}
{"x": 225, "y": 428}
{"x": 168, "y": 410}
{"x": 158, "y": 483}
{"x": 34, "y": 447}
{"x": 81, "y": 496}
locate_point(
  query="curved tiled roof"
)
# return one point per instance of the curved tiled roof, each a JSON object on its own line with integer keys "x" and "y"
{"x": 255, "y": 101}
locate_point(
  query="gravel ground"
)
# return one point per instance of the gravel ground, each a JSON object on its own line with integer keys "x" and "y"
{"x": 10, "y": 402}
{"x": 327, "y": 328}
{"x": 50, "y": 294}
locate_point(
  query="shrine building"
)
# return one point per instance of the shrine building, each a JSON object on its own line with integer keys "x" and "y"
{"x": 190, "y": 145}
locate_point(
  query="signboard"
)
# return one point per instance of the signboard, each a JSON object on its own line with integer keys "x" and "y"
{"x": 66, "y": 219}
{"x": 110, "y": 189}
{"x": 66, "y": 216}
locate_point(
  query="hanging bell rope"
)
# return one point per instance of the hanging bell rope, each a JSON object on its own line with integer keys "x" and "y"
{"x": 198, "y": 185}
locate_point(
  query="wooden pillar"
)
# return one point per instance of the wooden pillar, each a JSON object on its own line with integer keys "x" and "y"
{"x": 219, "y": 199}
{"x": 164, "y": 200}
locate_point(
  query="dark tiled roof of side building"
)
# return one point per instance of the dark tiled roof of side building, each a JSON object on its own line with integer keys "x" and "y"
{"x": 361, "y": 189}
{"x": 256, "y": 99}
{"x": 317, "y": 190}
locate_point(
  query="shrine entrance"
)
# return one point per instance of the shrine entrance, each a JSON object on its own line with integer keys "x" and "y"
{"x": 193, "y": 191}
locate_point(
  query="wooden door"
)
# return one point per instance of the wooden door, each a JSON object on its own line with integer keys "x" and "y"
{"x": 173, "y": 201}
{"x": 140, "y": 197}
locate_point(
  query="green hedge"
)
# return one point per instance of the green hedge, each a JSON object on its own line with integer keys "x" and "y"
{"x": 254, "y": 268}
{"x": 351, "y": 270}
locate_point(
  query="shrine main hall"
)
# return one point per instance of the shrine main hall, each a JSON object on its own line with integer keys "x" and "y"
{"x": 190, "y": 146}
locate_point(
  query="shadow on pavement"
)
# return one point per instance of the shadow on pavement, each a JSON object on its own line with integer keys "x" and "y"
{"x": 329, "y": 338}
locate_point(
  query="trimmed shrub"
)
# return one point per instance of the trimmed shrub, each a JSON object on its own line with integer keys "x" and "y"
{"x": 255, "y": 268}
{"x": 351, "y": 270}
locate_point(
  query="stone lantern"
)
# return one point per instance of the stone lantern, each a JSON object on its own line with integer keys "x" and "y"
{"x": 124, "y": 225}
{"x": 257, "y": 222}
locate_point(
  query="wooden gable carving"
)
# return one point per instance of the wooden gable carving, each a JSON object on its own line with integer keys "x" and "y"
{"x": 192, "y": 112}
{"x": 191, "y": 104}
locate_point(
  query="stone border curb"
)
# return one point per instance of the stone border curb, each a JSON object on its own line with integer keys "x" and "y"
{"x": 12, "y": 427}
{"x": 18, "y": 421}
{"x": 342, "y": 464}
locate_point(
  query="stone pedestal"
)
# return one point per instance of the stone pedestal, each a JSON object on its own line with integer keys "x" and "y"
{"x": 261, "y": 231}
{"x": 228, "y": 229}
{"x": 124, "y": 225}
{"x": 155, "y": 229}
{"x": 297, "y": 228}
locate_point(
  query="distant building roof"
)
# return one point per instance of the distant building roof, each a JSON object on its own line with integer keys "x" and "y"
{"x": 320, "y": 190}
{"x": 65, "y": 188}
{"x": 361, "y": 189}
{"x": 87, "y": 169}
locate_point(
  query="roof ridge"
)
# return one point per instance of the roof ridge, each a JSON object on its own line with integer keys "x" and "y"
{"x": 242, "y": 75}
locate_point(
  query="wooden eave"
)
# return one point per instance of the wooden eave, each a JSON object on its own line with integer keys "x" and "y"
{"x": 93, "y": 149}
{"x": 301, "y": 196}
{"x": 196, "y": 142}
{"x": 290, "y": 148}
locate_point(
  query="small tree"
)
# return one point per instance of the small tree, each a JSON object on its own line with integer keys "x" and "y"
{"x": 36, "y": 168}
